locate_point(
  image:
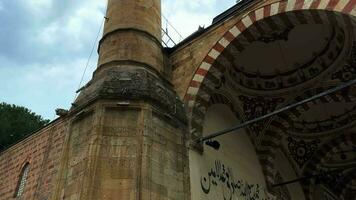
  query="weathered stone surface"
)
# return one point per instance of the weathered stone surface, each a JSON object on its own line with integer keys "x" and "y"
{"x": 131, "y": 151}
{"x": 142, "y": 48}
{"x": 132, "y": 32}
{"x": 142, "y": 15}
{"x": 125, "y": 83}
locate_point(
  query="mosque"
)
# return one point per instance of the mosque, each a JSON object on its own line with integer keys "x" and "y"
{"x": 260, "y": 105}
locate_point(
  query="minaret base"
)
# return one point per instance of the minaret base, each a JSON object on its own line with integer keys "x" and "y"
{"x": 124, "y": 150}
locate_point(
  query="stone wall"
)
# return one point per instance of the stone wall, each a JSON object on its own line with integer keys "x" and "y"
{"x": 43, "y": 152}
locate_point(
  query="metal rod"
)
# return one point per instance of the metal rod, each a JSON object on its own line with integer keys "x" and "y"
{"x": 223, "y": 132}
{"x": 168, "y": 23}
{"x": 340, "y": 170}
{"x": 294, "y": 181}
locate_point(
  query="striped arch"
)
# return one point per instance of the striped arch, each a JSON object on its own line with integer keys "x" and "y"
{"x": 329, "y": 147}
{"x": 207, "y": 75}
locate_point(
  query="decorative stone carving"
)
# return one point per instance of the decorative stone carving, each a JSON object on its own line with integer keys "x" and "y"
{"x": 255, "y": 107}
{"x": 332, "y": 179}
{"x": 277, "y": 35}
{"x": 348, "y": 71}
{"x": 301, "y": 72}
{"x": 331, "y": 123}
{"x": 301, "y": 150}
{"x": 133, "y": 84}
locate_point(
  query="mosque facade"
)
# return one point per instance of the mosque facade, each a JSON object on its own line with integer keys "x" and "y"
{"x": 139, "y": 129}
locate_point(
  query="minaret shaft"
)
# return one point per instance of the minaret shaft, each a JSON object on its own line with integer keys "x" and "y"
{"x": 132, "y": 34}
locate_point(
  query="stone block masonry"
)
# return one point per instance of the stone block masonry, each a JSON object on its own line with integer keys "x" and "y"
{"x": 42, "y": 151}
{"x": 132, "y": 152}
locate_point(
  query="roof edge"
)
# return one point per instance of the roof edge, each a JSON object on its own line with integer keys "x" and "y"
{"x": 238, "y": 7}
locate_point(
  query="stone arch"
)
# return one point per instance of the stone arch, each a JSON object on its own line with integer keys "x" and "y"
{"x": 329, "y": 147}
{"x": 207, "y": 77}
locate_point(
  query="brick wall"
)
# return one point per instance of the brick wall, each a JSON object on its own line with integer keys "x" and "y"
{"x": 43, "y": 153}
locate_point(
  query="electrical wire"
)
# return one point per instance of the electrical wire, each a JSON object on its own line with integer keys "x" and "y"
{"x": 91, "y": 54}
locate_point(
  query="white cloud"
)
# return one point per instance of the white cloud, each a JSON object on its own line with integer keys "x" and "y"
{"x": 74, "y": 31}
{"x": 37, "y": 7}
{"x": 60, "y": 40}
{"x": 77, "y": 24}
{"x": 42, "y": 87}
{"x": 48, "y": 34}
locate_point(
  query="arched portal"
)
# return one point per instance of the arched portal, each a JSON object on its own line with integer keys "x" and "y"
{"x": 277, "y": 54}
{"x": 230, "y": 172}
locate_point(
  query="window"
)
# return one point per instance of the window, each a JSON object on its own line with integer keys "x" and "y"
{"x": 22, "y": 180}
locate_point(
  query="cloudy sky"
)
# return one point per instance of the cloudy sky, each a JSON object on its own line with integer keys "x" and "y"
{"x": 45, "y": 45}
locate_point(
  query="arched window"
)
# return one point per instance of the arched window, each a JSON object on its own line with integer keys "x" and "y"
{"x": 22, "y": 180}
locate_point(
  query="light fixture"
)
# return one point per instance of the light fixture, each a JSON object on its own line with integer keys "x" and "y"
{"x": 213, "y": 143}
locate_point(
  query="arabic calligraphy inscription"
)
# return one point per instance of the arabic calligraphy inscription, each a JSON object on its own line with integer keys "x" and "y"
{"x": 221, "y": 176}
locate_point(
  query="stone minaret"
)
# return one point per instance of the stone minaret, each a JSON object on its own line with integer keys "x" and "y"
{"x": 127, "y": 127}
{"x": 130, "y": 48}
{"x": 132, "y": 35}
